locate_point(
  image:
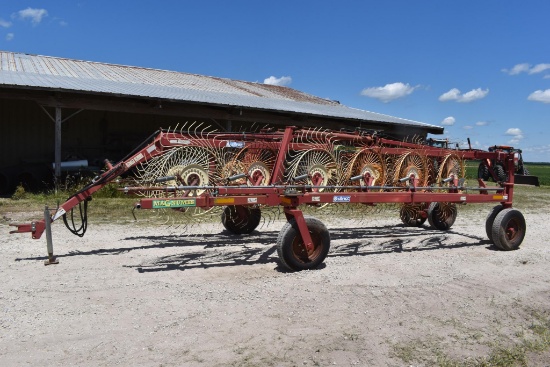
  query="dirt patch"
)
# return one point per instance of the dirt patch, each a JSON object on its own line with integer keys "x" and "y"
{"x": 387, "y": 295}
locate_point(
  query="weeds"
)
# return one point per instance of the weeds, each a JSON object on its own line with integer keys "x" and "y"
{"x": 533, "y": 339}
{"x": 19, "y": 193}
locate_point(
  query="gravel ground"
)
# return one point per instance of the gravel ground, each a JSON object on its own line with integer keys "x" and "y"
{"x": 387, "y": 295}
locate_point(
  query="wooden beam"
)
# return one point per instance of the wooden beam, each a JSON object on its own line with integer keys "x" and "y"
{"x": 58, "y": 121}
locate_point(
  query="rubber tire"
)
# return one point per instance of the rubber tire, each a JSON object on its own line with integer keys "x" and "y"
{"x": 483, "y": 172}
{"x": 503, "y": 220}
{"x": 289, "y": 236}
{"x": 490, "y": 220}
{"x": 240, "y": 219}
{"x": 500, "y": 172}
{"x": 436, "y": 222}
{"x": 411, "y": 222}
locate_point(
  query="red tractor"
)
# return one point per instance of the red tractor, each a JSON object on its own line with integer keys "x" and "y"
{"x": 496, "y": 168}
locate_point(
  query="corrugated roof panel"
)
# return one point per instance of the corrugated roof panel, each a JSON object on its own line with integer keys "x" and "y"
{"x": 58, "y": 73}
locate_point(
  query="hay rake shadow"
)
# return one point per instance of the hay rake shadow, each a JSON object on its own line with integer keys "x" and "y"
{"x": 242, "y": 177}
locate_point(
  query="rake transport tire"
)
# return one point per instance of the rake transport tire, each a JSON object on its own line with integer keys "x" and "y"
{"x": 442, "y": 215}
{"x": 240, "y": 219}
{"x": 292, "y": 251}
{"x": 490, "y": 220}
{"x": 509, "y": 229}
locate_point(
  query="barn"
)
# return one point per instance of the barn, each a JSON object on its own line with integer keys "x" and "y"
{"x": 60, "y": 114}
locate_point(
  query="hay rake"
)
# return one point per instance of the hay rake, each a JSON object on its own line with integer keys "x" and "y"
{"x": 200, "y": 173}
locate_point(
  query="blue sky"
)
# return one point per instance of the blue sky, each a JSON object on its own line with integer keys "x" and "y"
{"x": 479, "y": 68}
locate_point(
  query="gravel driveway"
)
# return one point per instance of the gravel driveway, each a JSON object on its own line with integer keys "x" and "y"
{"x": 387, "y": 295}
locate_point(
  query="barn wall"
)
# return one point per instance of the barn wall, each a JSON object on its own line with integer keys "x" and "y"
{"x": 28, "y": 140}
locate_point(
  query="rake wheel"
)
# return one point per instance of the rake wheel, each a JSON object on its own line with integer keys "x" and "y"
{"x": 234, "y": 167}
{"x": 408, "y": 164}
{"x": 319, "y": 165}
{"x": 367, "y": 161}
{"x": 413, "y": 215}
{"x": 189, "y": 165}
{"x": 451, "y": 165}
{"x": 257, "y": 163}
{"x": 241, "y": 219}
{"x": 442, "y": 215}
{"x": 259, "y": 173}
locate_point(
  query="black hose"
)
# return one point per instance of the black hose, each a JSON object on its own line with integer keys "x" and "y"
{"x": 84, "y": 211}
{"x": 80, "y": 231}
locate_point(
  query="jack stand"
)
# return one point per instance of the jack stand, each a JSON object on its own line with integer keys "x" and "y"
{"x": 48, "y": 221}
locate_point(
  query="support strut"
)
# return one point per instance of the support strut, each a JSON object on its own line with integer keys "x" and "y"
{"x": 302, "y": 226}
{"x": 49, "y": 242}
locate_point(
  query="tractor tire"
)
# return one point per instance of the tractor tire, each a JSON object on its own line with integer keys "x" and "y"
{"x": 500, "y": 172}
{"x": 483, "y": 172}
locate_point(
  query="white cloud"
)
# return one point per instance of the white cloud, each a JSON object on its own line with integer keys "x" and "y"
{"x": 455, "y": 95}
{"x": 538, "y": 150}
{"x": 451, "y": 95}
{"x": 540, "y": 96}
{"x": 526, "y": 68}
{"x": 284, "y": 80}
{"x": 9, "y": 36}
{"x": 516, "y": 133}
{"x": 517, "y": 69}
{"x": 4, "y": 23}
{"x": 389, "y": 92}
{"x": 482, "y": 123}
{"x": 35, "y": 15}
{"x": 539, "y": 68}
{"x": 467, "y": 127}
{"x": 473, "y": 95}
{"x": 448, "y": 121}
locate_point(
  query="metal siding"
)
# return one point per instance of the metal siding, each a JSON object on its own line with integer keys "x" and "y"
{"x": 49, "y": 72}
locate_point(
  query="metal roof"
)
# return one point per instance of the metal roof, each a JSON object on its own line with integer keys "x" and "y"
{"x": 45, "y": 72}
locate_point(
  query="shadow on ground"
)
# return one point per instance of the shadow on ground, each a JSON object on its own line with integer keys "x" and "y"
{"x": 226, "y": 249}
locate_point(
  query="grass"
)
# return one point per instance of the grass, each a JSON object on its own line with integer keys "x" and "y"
{"x": 541, "y": 170}
{"x": 534, "y": 339}
{"x": 109, "y": 205}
